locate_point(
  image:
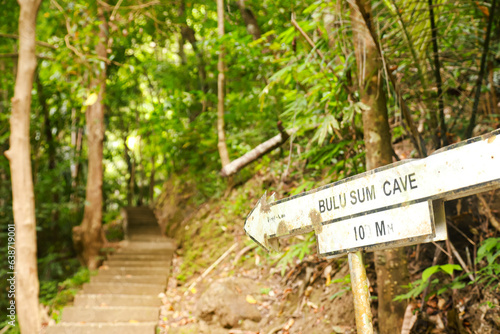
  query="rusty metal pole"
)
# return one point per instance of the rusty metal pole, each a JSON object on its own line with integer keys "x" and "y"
{"x": 359, "y": 283}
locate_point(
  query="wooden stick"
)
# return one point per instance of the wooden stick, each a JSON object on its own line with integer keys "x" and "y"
{"x": 209, "y": 269}
{"x": 461, "y": 261}
{"x": 242, "y": 252}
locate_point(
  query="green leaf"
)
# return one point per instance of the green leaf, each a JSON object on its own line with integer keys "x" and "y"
{"x": 448, "y": 268}
{"x": 429, "y": 272}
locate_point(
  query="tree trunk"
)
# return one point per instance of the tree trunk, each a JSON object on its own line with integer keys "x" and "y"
{"x": 188, "y": 34}
{"x": 250, "y": 20}
{"x": 50, "y": 143}
{"x": 19, "y": 155}
{"x": 142, "y": 176}
{"x": 224, "y": 156}
{"x": 234, "y": 166}
{"x": 390, "y": 265}
{"x": 439, "y": 82}
{"x": 128, "y": 160}
{"x": 152, "y": 180}
{"x": 76, "y": 142}
{"x": 88, "y": 237}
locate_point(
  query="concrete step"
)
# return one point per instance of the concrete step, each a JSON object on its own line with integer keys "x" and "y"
{"x": 82, "y": 299}
{"x": 143, "y": 238}
{"x": 103, "y": 328}
{"x": 136, "y": 263}
{"x": 135, "y": 271}
{"x": 141, "y": 224}
{"x": 123, "y": 288}
{"x": 152, "y": 231}
{"x": 164, "y": 243}
{"x": 143, "y": 257}
{"x": 144, "y": 252}
{"x": 148, "y": 279}
{"x": 109, "y": 313}
{"x": 141, "y": 217}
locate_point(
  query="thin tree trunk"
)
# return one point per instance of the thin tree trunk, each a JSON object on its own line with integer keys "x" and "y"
{"x": 250, "y": 20}
{"x": 50, "y": 143}
{"x": 76, "y": 142}
{"x": 128, "y": 160}
{"x": 224, "y": 156}
{"x": 152, "y": 180}
{"x": 390, "y": 265}
{"x": 142, "y": 176}
{"x": 482, "y": 69}
{"x": 439, "y": 81}
{"x": 493, "y": 94}
{"x": 4, "y": 91}
{"x": 188, "y": 34}
{"x": 88, "y": 237}
{"x": 23, "y": 198}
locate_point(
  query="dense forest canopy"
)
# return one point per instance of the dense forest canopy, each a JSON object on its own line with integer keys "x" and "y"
{"x": 290, "y": 68}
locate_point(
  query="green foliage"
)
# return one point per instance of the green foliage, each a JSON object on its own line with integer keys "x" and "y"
{"x": 345, "y": 286}
{"x": 487, "y": 276}
{"x": 296, "y": 251}
{"x": 417, "y": 287}
{"x": 56, "y": 295}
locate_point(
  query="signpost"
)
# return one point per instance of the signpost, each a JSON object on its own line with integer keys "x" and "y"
{"x": 396, "y": 205}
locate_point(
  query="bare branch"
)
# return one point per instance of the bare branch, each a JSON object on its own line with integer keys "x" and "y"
{"x": 44, "y": 44}
{"x": 144, "y": 5}
{"x": 15, "y": 55}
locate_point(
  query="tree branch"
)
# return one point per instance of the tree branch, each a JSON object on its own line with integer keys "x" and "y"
{"x": 234, "y": 166}
{"x": 15, "y": 55}
{"x": 44, "y": 44}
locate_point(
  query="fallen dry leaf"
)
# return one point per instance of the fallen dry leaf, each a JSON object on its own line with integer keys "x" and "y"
{"x": 251, "y": 300}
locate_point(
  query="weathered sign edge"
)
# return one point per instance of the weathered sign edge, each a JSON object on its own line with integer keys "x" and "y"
{"x": 376, "y": 170}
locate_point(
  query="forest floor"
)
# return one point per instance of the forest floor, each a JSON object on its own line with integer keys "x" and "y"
{"x": 250, "y": 291}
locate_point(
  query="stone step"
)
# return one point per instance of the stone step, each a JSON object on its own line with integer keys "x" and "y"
{"x": 109, "y": 314}
{"x": 136, "y": 225}
{"x": 103, "y": 328}
{"x": 135, "y": 271}
{"x": 82, "y": 299}
{"x": 149, "y": 238}
{"x": 123, "y": 288}
{"x": 164, "y": 243}
{"x": 141, "y": 217}
{"x": 143, "y": 226}
{"x": 143, "y": 257}
{"x": 136, "y": 263}
{"x": 165, "y": 253}
{"x": 148, "y": 279}
{"x": 149, "y": 231}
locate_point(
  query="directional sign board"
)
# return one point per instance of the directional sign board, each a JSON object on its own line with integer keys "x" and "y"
{"x": 407, "y": 223}
{"x": 398, "y": 194}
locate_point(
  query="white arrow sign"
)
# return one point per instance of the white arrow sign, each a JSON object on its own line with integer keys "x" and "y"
{"x": 455, "y": 171}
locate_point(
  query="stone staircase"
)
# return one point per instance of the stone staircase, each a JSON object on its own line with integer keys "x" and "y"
{"x": 123, "y": 297}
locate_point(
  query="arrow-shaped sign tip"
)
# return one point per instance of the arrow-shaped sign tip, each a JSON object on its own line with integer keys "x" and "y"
{"x": 257, "y": 230}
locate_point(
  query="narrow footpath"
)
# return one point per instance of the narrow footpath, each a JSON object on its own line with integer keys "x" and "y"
{"x": 123, "y": 297}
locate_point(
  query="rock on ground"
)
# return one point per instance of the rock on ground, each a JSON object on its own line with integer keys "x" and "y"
{"x": 225, "y": 302}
